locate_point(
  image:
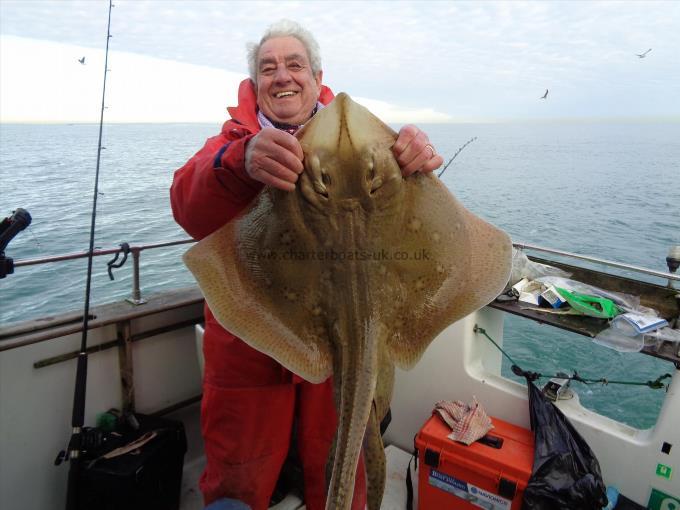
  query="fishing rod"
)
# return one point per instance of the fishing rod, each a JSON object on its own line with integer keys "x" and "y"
{"x": 456, "y": 154}
{"x": 78, "y": 417}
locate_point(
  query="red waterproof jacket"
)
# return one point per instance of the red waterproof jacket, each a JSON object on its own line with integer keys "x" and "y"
{"x": 250, "y": 402}
{"x": 213, "y": 186}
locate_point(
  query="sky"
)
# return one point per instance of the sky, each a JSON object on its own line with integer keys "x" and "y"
{"x": 419, "y": 61}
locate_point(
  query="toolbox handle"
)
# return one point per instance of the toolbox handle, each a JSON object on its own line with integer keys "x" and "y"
{"x": 492, "y": 441}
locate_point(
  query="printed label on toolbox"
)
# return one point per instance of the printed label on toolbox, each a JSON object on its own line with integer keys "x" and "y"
{"x": 468, "y": 492}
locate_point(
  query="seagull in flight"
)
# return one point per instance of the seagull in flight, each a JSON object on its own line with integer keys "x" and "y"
{"x": 643, "y": 55}
{"x": 82, "y": 60}
{"x": 545, "y": 96}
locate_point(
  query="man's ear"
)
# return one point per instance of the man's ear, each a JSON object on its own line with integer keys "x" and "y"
{"x": 318, "y": 78}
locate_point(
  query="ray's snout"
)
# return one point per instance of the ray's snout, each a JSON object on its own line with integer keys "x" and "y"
{"x": 346, "y": 164}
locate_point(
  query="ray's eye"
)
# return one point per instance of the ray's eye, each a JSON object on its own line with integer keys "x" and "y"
{"x": 375, "y": 181}
{"x": 370, "y": 173}
{"x": 320, "y": 187}
{"x": 318, "y": 175}
{"x": 376, "y": 184}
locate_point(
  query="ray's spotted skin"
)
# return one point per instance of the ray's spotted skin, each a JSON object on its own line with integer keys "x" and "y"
{"x": 354, "y": 272}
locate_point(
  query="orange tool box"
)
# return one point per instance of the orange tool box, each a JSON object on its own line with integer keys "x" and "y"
{"x": 491, "y": 473}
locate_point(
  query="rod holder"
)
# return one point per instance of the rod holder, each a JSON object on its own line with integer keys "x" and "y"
{"x": 136, "y": 298}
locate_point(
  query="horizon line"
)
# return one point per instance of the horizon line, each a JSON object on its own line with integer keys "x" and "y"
{"x": 481, "y": 120}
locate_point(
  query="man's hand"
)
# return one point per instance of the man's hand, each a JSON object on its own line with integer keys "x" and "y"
{"x": 274, "y": 157}
{"x": 414, "y": 152}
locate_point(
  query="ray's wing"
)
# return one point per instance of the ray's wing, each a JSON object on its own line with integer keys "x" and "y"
{"x": 456, "y": 264}
{"x": 442, "y": 263}
{"x": 261, "y": 286}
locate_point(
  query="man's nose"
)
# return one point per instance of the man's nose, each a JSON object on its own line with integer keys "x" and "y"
{"x": 282, "y": 74}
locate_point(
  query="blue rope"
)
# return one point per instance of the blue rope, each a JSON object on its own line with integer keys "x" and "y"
{"x": 655, "y": 385}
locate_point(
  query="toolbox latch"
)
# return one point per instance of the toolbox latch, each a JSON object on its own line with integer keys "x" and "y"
{"x": 507, "y": 488}
{"x": 431, "y": 458}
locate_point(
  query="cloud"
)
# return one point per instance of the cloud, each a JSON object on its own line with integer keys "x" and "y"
{"x": 392, "y": 113}
{"x": 478, "y": 59}
{"x": 43, "y": 81}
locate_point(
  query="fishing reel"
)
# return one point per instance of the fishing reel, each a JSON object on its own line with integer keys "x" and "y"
{"x": 9, "y": 228}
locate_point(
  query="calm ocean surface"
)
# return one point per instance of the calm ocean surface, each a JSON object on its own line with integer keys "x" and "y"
{"x": 607, "y": 190}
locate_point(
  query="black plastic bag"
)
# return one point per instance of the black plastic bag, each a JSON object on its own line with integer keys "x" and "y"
{"x": 566, "y": 474}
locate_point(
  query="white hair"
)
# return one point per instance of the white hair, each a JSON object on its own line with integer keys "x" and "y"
{"x": 285, "y": 28}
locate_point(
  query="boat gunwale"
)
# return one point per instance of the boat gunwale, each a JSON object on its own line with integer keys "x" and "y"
{"x": 39, "y": 330}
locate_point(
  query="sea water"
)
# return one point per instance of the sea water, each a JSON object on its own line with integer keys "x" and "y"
{"x": 606, "y": 190}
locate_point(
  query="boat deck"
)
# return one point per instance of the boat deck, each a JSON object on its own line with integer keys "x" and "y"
{"x": 395, "y": 487}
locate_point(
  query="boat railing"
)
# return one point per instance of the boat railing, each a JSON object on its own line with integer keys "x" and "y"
{"x": 136, "y": 250}
{"x": 610, "y": 263}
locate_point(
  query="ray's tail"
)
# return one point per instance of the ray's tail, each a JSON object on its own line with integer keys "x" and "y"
{"x": 355, "y": 381}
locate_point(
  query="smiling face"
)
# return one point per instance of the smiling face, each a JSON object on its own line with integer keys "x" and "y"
{"x": 287, "y": 89}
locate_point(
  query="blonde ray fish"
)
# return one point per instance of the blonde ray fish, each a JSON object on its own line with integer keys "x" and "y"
{"x": 354, "y": 272}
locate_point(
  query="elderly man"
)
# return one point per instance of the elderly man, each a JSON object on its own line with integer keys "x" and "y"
{"x": 250, "y": 402}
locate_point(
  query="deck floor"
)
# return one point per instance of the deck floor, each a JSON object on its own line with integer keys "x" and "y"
{"x": 395, "y": 487}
